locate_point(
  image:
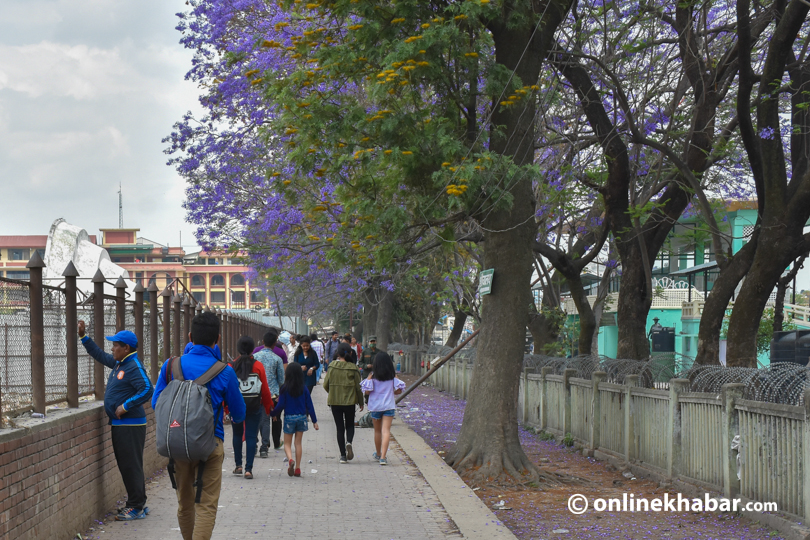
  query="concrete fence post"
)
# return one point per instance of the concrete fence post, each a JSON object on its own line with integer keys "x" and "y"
{"x": 595, "y": 435}
{"x": 523, "y": 410}
{"x": 674, "y": 431}
{"x": 730, "y": 427}
{"x": 544, "y": 373}
{"x": 630, "y": 382}
{"x": 98, "y": 332}
{"x": 71, "y": 320}
{"x": 37, "y": 327}
{"x": 567, "y": 423}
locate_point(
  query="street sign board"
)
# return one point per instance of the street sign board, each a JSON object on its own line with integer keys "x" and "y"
{"x": 485, "y": 281}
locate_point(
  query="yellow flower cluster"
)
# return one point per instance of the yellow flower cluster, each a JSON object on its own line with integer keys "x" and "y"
{"x": 355, "y": 27}
{"x": 398, "y": 20}
{"x": 270, "y": 43}
{"x": 456, "y": 190}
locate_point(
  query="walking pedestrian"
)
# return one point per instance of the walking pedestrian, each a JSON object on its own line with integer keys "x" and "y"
{"x": 305, "y": 357}
{"x": 128, "y": 388}
{"x": 320, "y": 350}
{"x": 197, "y": 520}
{"x": 296, "y": 403}
{"x": 381, "y": 386}
{"x": 256, "y": 394}
{"x": 356, "y": 346}
{"x": 331, "y": 349}
{"x": 274, "y": 369}
{"x": 368, "y": 355}
{"x": 342, "y": 382}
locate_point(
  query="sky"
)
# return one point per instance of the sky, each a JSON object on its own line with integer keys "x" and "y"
{"x": 88, "y": 88}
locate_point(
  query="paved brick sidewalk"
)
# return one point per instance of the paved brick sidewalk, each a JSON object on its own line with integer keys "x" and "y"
{"x": 357, "y": 501}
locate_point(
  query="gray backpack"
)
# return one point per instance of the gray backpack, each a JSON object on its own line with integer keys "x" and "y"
{"x": 185, "y": 420}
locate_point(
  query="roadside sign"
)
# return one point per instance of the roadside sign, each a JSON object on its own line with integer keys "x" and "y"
{"x": 485, "y": 281}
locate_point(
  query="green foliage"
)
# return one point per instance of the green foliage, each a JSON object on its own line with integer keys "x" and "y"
{"x": 545, "y": 436}
{"x": 568, "y": 440}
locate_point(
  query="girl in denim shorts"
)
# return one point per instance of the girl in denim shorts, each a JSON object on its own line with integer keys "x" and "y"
{"x": 381, "y": 386}
{"x": 295, "y": 401}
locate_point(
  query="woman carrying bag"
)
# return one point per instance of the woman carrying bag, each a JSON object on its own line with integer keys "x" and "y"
{"x": 342, "y": 382}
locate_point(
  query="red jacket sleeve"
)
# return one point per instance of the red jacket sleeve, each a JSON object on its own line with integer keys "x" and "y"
{"x": 267, "y": 398}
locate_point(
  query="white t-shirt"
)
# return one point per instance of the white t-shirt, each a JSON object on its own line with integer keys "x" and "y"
{"x": 317, "y": 346}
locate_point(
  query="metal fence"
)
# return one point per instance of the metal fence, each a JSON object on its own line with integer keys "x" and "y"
{"x": 41, "y": 362}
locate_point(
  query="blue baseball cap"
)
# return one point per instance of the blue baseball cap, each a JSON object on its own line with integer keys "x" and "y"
{"x": 126, "y": 337}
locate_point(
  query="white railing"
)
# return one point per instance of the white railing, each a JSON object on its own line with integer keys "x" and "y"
{"x": 672, "y": 433}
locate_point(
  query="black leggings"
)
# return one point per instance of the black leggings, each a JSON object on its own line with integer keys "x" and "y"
{"x": 344, "y": 421}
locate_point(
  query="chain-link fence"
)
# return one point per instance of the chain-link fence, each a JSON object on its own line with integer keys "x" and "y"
{"x": 15, "y": 379}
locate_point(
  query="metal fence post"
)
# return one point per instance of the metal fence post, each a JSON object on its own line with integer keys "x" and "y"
{"x": 676, "y": 387}
{"x": 596, "y": 410}
{"x": 167, "y": 322}
{"x": 567, "y": 425}
{"x": 630, "y": 382}
{"x": 120, "y": 304}
{"x": 223, "y": 334}
{"x": 729, "y": 394}
{"x": 154, "y": 337}
{"x": 35, "y": 266}
{"x": 139, "y": 318}
{"x": 188, "y": 309}
{"x": 177, "y": 323}
{"x": 805, "y": 457}
{"x": 98, "y": 332}
{"x": 71, "y": 321}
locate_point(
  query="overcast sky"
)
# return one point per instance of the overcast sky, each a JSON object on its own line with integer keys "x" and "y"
{"x": 88, "y": 88}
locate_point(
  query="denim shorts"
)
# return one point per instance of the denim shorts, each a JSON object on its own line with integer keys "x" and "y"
{"x": 377, "y": 415}
{"x": 294, "y": 423}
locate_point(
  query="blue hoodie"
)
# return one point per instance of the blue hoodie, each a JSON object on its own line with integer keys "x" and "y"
{"x": 127, "y": 385}
{"x": 223, "y": 387}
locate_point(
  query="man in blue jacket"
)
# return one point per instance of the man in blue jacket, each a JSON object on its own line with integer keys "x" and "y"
{"x": 197, "y": 520}
{"x": 128, "y": 388}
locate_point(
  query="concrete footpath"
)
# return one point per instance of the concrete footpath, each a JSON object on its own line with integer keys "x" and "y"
{"x": 417, "y": 496}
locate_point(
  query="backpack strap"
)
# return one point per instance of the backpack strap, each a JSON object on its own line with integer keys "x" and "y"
{"x": 212, "y": 372}
{"x": 198, "y": 482}
{"x": 175, "y": 369}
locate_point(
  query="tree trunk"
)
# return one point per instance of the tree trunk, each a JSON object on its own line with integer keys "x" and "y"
{"x": 545, "y": 330}
{"x": 587, "y": 322}
{"x": 385, "y": 309}
{"x": 369, "y": 323}
{"x": 632, "y": 309}
{"x": 774, "y": 252}
{"x": 714, "y": 309}
{"x": 458, "y": 327}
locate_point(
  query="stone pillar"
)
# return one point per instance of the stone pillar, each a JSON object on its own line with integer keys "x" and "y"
{"x": 630, "y": 382}
{"x": 567, "y": 423}
{"x": 596, "y": 411}
{"x": 544, "y": 372}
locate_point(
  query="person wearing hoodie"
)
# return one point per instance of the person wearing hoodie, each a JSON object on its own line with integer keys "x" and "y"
{"x": 342, "y": 382}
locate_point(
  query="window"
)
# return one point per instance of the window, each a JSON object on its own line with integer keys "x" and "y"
{"x": 256, "y": 297}
{"x": 217, "y": 280}
{"x": 238, "y": 297}
{"x": 197, "y": 281}
{"x": 199, "y": 297}
{"x": 218, "y": 297}
{"x": 19, "y": 254}
{"x": 687, "y": 344}
{"x": 237, "y": 280}
{"x": 212, "y": 261}
{"x": 18, "y": 275}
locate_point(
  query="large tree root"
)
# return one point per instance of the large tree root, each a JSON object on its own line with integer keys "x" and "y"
{"x": 483, "y": 466}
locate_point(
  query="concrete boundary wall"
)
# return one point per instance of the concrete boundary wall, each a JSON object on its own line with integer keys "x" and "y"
{"x": 673, "y": 435}
{"x": 59, "y": 474}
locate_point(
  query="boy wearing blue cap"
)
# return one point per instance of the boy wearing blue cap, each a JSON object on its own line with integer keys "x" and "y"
{"x": 128, "y": 388}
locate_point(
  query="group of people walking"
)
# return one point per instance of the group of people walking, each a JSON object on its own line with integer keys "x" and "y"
{"x": 262, "y": 383}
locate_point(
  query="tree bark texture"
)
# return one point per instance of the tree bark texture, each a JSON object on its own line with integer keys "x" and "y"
{"x": 385, "y": 311}
{"x": 369, "y": 314}
{"x": 488, "y": 445}
{"x": 458, "y": 327}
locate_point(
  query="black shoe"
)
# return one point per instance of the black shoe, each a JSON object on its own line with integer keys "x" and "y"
{"x": 263, "y": 452}
{"x": 343, "y": 459}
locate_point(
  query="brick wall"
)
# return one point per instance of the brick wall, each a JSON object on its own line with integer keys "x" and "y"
{"x": 59, "y": 474}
